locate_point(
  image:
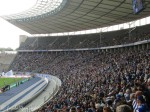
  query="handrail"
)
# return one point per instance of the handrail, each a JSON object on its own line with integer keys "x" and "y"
{"x": 85, "y": 49}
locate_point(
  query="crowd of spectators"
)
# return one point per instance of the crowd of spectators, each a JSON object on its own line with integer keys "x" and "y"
{"x": 87, "y": 41}
{"x": 93, "y": 81}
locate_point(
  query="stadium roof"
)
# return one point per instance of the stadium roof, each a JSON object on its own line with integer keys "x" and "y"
{"x": 75, "y": 15}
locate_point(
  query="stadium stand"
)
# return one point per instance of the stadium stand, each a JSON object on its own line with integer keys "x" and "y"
{"x": 100, "y": 72}
{"x": 93, "y": 80}
{"x": 87, "y": 41}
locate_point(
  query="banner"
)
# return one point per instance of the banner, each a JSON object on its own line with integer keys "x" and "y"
{"x": 9, "y": 74}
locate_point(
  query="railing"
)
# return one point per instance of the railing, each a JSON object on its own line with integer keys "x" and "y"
{"x": 46, "y": 99}
{"x": 85, "y": 49}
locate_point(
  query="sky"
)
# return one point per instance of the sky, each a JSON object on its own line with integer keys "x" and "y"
{"x": 9, "y": 34}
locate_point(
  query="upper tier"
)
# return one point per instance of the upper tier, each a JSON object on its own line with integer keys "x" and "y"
{"x": 87, "y": 41}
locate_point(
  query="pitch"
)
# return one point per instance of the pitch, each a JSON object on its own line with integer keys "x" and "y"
{"x": 8, "y": 81}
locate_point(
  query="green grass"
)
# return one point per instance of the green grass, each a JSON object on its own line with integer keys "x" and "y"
{"x": 8, "y": 81}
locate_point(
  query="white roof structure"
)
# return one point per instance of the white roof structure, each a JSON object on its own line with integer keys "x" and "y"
{"x": 58, "y": 16}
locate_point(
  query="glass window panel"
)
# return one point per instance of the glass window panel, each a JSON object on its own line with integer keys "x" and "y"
{"x": 82, "y": 32}
{"x": 65, "y": 33}
{"x": 148, "y": 20}
{"x": 137, "y": 23}
{"x": 121, "y": 26}
{"x": 143, "y": 21}
{"x": 110, "y": 28}
{"x": 88, "y": 31}
{"x": 93, "y": 31}
{"x": 54, "y": 34}
{"x": 71, "y": 33}
{"x": 104, "y": 29}
{"x": 115, "y": 27}
{"x": 60, "y": 34}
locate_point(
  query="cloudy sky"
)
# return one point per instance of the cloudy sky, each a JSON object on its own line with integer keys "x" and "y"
{"x": 9, "y": 34}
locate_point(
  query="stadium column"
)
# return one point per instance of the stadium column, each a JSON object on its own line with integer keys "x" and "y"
{"x": 112, "y": 50}
{"x": 130, "y": 47}
{"x": 142, "y": 46}
{"x": 106, "y": 50}
{"x": 134, "y": 47}
{"x": 126, "y": 48}
{"x": 147, "y": 46}
{"x": 123, "y": 49}
{"x": 120, "y": 49}
{"x": 138, "y": 47}
{"x": 56, "y": 53}
{"x": 115, "y": 49}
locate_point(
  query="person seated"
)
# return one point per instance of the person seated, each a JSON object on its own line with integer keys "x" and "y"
{"x": 124, "y": 108}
